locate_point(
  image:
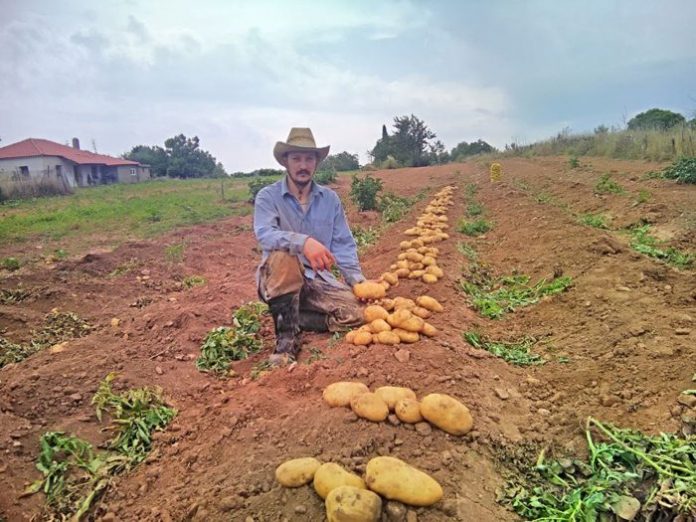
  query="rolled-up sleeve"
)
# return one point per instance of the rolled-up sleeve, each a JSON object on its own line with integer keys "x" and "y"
{"x": 343, "y": 247}
{"x": 267, "y": 227}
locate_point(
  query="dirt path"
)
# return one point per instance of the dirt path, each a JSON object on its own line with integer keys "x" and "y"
{"x": 618, "y": 344}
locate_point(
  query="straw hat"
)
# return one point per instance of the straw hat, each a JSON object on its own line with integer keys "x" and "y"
{"x": 299, "y": 140}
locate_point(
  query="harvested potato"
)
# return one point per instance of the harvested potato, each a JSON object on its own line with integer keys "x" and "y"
{"x": 435, "y": 270}
{"x": 387, "y": 304}
{"x": 402, "y": 263}
{"x": 330, "y": 476}
{"x": 395, "y": 480}
{"x": 350, "y": 504}
{"x": 350, "y": 336}
{"x": 428, "y": 278}
{"x": 372, "y": 312}
{"x": 429, "y": 330}
{"x": 362, "y": 338}
{"x": 385, "y": 284}
{"x": 405, "y": 245}
{"x": 369, "y": 406}
{"x": 364, "y": 328}
{"x": 400, "y": 315}
{"x": 421, "y": 312}
{"x": 428, "y": 261}
{"x": 429, "y": 303}
{"x": 341, "y": 393}
{"x": 412, "y": 324}
{"x": 392, "y": 394}
{"x": 406, "y": 336}
{"x": 387, "y": 337}
{"x": 402, "y": 272}
{"x": 414, "y": 256}
{"x": 447, "y": 413}
{"x": 297, "y": 472}
{"x": 408, "y": 410}
{"x": 416, "y": 274}
{"x": 416, "y": 266}
{"x": 402, "y": 257}
{"x": 379, "y": 325}
{"x": 390, "y": 278}
{"x": 369, "y": 290}
{"x": 404, "y": 302}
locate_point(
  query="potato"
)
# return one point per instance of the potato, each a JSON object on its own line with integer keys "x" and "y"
{"x": 395, "y": 480}
{"x": 429, "y": 303}
{"x": 372, "y": 312}
{"x": 401, "y": 257}
{"x": 392, "y": 394}
{"x": 421, "y": 312}
{"x": 416, "y": 243}
{"x": 428, "y": 261}
{"x": 350, "y": 504}
{"x": 416, "y": 274}
{"x": 400, "y": 315}
{"x": 379, "y": 325}
{"x": 350, "y": 336}
{"x": 362, "y": 338}
{"x": 387, "y": 337}
{"x": 414, "y": 256}
{"x": 385, "y": 284}
{"x": 412, "y": 231}
{"x": 405, "y": 245}
{"x": 364, "y": 328}
{"x": 330, "y": 476}
{"x": 412, "y": 324}
{"x": 428, "y": 278}
{"x": 369, "y": 290}
{"x": 429, "y": 330}
{"x": 402, "y": 263}
{"x": 402, "y": 272}
{"x": 447, "y": 413}
{"x": 341, "y": 393}
{"x": 387, "y": 304}
{"x": 416, "y": 266}
{"x": 390, "y": 278}
{"x": 369, "y": 406}
{"x": 404, "y": 302}
{"x": 408, "y": 410}
{"x": 435, "y": 270}
{"x": 297, "y": 472}
{"x": 405, "y": 336}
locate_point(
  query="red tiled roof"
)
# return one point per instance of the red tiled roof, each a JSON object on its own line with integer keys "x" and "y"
{"x": 37, "y": 147}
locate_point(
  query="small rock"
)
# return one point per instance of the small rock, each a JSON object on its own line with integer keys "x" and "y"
{"x": 58, "y": 348}
{"x": 159, "y": 370}
{"x": 300, "y": 509}
{"x": 109, "y": 517}
{"x": 543, "y": 412}
{"x": 411, "y": 516}
{"x": 75, "y": 397}
{"x": 396, "y": 511}
{"x": 393, "y": 420}
{"x": 682, "y": 331}
{"x": 687, "y": 400}
{"x": 350, "y": 417}
{"x": 424, "y": 429}
{"x": 626, "y": 508}
{"x": 402, "y": 355}
{"x": 115, "y": 322}
{"x": 608, "y": 400}
{"x": 502, "y": 393}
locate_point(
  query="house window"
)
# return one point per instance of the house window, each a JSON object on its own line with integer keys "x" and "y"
{"x": 133, "y": 172}
{"x": 59, "y": 171}
{"x": 24, "y": 171}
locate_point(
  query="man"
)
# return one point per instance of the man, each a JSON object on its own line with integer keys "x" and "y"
{"x": 302, "y": 229}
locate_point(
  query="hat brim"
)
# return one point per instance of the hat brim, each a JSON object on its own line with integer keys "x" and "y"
{"x": 281, "y": 149}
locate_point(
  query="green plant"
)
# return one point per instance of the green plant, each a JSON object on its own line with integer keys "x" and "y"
{"x": 60, "y": 254}
{"x": 643, "y": 197}
{"x": 683, "y": 170}
{"x": 643, "y": 242}
{"x": 573, "y": 162}
{"x": 517, "y": 352}
{"x": 125, "y": 267}
{"x": 225, "y": 344}
{"x": 364, "y": 191}
{"x": 17, "y": 295}
{"x": 467, "y": 250}
{"x": 256, "y": 184}
{"x": 394, "y": 207}
{"x": 325, "y": 177}
{"x": 593, "y": 220}
{"x": 474, "y": 228}
{"x": 627, "y": 474}
{"x": 9, "y": 263}
{"x": 606, "y": 185}
{"x": 194, "y": 280}
{"x": 543, "y": 197}
{"x": 315, "y": 354}
{"x": 11, "y": 353}
{"x": 174, "y": 253}
{"x": 474, "y": 209}
{"x": 260, "y": 369}
{"x": 364, "y": 237}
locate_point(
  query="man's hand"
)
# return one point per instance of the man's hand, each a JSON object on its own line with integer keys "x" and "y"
{"x": 318, "y": 255}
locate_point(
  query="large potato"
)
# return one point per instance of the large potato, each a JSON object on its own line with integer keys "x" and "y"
{"x": 387, "y": 337}
{"x": 341, "y": 393}
{"x": 402, "y": 272}
{"x": 395, "y": 480}
{"x": 412, "y": 324}
{"x": 408, "y": 410}
{"x": 421, "y": 312}
{"x": 429, "y": 330}
{"x": 429, "y": 303}
{"x": 387, "y": 304}
{"x": 379, "y": 325}
{"x": 429, "y": 261}
{"x": 369, "y": 290}
{"x": 405, "y": 336}
{"x": 399, "y": 316}
{"x": 429, "y": 278}
{"x": 350, "y": 504}
{"x": 330, "y": 476}
{"x": 435, "y": 270}
{"x": 297, "y": 472}
{"x": 447, "y": 413}
{"x": 362, "y": 337}
{"x": 372, "y": 312}
{"x": 404, "y": 302}
{"x": 390, "y": 278}
{"x": 369, "y": 406}
{"x": 416, "y": 274}
{"x": 350, "y": 336}
{"x": 392, "y": 394}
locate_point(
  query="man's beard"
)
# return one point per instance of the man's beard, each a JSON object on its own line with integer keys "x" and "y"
{"x": 302, "y": 183}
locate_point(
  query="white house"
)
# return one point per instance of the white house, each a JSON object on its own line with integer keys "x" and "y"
{"x": 37, "y": 159}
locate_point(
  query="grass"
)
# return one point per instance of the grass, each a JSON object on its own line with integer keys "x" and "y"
{"x": 606, "y": 185}
{"x": 74, "y": 475}
{"x": 495, "y": 298}
{"x": 136, "y": 210}
{"x": 626, "y": 473}
{"x": 643, "y": 242}
{"x": 174, "y": 253}
{"x": 9, "y": 263}
{"x": 474, "y": 208}
{"x": 474, "y": 228}
{"x": 225, "y": 344}
{"x": 194, "y": 280}
{"x": 517, "y": 353}
{"x": 467, "y": 250}
{"x": 644, "y": 196}
{"x": 365, "y": 237}
{"x": 593, "y": 220}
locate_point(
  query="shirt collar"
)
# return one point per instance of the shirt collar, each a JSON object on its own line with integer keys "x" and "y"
{"x": 314, "y": 190}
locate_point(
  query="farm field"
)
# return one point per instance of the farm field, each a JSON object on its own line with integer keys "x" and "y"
{"x": 614, "y": 342}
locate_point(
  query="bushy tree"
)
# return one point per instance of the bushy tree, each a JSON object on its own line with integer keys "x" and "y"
{"x": 656, "y": 119}
{"x": 408, "y": 144}
{"x": 186, "y": 159}
{"x": 464, "y": 149}
{"x": 340, "y": 162}
{"x": 155, "y": 156}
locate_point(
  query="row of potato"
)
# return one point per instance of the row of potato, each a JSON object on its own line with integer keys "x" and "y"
{"x": 416, "y": 261}
{"x": 349, "y": 498}
{"x": 440, "y": 410}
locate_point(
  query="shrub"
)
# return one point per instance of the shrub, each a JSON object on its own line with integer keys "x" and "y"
{"x": 573, "y": 162}
{"x": 325, "y": 177}
{"x": 393, "y": 207}
{"x": 683, "y": 170}
{"x": 593, "y": 220}
{"x": 606, "y": 185}
{"x": 9, "y": 263}
{"x": 390, "y": 163}
{"x": 255, "y": 185}
{"x": 364, "y": 191}
{"x": 474, "y": 228}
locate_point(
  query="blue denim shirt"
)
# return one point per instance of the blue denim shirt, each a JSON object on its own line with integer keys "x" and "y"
{"x": 280, "y": 224}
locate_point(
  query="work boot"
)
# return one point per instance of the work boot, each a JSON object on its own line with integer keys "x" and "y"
{"x": 285, "y": 310}
{"x": 311, "y": 321}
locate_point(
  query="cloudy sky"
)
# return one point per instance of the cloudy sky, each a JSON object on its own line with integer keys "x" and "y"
{"x": 240, "y": 74}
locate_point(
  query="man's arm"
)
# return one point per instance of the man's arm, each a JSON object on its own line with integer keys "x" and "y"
{"x": 267, "y": 228}
{"x": 344, "y": 249}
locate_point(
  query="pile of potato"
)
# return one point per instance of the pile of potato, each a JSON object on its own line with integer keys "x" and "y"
{"x": 441, "y": 410}
{"x": 348, "y": 497}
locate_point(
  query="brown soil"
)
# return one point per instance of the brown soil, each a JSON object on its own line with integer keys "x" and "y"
{"x": 619, "y": 345}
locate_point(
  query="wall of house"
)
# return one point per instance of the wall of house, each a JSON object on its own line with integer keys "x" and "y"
{"x": 132, "y": 174}
{"x": 39, "y": 167}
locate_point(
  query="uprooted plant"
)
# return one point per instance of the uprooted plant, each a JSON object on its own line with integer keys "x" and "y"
{"x": 643, "y": 242}
{"x": 514, "y": 352}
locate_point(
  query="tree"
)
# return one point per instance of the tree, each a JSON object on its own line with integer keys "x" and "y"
{"x": 155, "y": 156}
{"x": 186, "y": 160}
{"x": 464, "y": 149}
{"x": 656, "y": 119}
{"x": 341, "y": 161}
{"x": 409, "y": 143}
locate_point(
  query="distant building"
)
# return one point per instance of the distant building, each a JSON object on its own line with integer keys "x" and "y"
{"x": 37, "y": 159}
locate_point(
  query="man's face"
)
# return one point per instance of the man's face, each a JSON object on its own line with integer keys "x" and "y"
{"x": 301, "y": 167}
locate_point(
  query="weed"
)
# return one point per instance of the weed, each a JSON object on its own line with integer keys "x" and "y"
{"x": 364, "y": 237}
{"x": 516, "y": 353}
{"x": 9, "y": 263}
{"x": 225, "y": 344}
{"x": 11, "y": 353}
{"x": 363, "y": 192}
{"x": 59, "y": 327}
{"x": 471, "y": 189}
{"x": 174, "y": 253}
{"x": 622, "y": 467}
{"x": 17, "y": 295}
{"x": 543, "y": 197}
{"x": 474, "y": 209}
{"x": 683, "y": 170}
{"x": 474, "y": 228}
{"x": 59, "y": 254}
{"x": 643, "y": 242}
{"x": 194, "y": 280}
{"x": 593, "y": 220}
{"x": 125, "y": 267}
{"x": 325, "y": 177}
{"x": 643, "y": 197}
{"x": 315, "y": 354}
{"x": 606, "y": 185}
{"x": 260, "y": 369}
{"x": 394, "y": 207}
{"x": 653, "y": 174}
{"x": 573, "y": 162}
{"x": 467, "y": 250}
{"x": 493, "y": 299}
